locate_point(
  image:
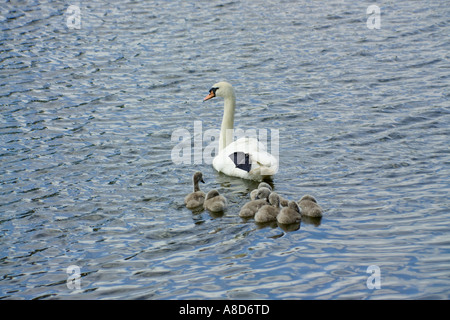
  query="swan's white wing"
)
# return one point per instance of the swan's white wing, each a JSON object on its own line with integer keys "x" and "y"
{"x": 246, "y": 158}
{"x": 263, "y": 158}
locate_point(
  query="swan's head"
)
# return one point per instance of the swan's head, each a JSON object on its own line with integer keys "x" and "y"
{"x": 220, "y": 89}
{"x": 198, "y": 176}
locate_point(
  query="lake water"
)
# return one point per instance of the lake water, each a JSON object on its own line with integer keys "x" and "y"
{"x": 91, "y": 94}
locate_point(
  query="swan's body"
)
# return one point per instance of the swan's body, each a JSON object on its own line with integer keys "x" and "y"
{"x": 309, "y": 207}
{"x": 250, "y": 208}
{"x": 215, "y": 202}
{"x": 254, "y": 193}
{"x": 289, "y": 214}
{"x": 196, "y": 198}
{"x": 270, "y": 211}
{"x": 246, "y": 157}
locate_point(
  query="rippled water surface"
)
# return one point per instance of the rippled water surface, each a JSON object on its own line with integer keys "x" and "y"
{"x": 86, "y": 174}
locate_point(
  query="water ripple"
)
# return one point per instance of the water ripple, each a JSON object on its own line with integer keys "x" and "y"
{"x": 86, "y": 176}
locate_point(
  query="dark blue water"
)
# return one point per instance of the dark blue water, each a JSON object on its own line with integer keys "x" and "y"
{"x": 87, "y": 114}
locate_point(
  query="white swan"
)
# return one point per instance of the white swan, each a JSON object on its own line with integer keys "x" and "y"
{"x": 309, "y": 207}
{"x": 289, "y": 214}
{"x": 196, "y": 198}
{"x": 215, "y": 202}
{"x": 246, "y": 157}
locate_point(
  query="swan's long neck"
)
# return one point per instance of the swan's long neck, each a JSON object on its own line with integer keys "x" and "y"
{"x": 196, "y": 187}
{"x": 226, "y": 136}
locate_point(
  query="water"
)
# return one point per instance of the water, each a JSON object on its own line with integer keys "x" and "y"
{"x": 87, "y": 179}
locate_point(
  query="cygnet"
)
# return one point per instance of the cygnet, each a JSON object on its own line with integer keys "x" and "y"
{"x": 196, "y": 198}
{"x": 215, "y": 202}
{"x": 261, "y": 199}
{"x": 254, "y": 193}
{"x": 289, "y": 214}
{"x": 270, "y": 211}
{"x": 309, "y": 207}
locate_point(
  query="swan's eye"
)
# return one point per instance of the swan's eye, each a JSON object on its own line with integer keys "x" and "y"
{"x": 213, "y": 90}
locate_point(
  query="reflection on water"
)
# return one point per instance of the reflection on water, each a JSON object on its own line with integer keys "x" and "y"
{"x": 86, "y": 173}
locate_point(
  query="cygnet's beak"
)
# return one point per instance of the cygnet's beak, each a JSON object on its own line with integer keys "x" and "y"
{"x": 202, "y": 181}
{"x": 210, "y": 95}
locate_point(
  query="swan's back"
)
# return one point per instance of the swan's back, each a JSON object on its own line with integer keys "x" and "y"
{"x": 246, "y": 158}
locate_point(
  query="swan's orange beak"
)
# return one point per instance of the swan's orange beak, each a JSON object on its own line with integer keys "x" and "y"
{"x": 210, "y": 95}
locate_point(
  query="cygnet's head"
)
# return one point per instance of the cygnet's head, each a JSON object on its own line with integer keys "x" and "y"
{"x": 265, "y": 185}
{"x": 220, "y": 89}
{"x": 263, "y": 193}
{"x": 198, "y": 176}
{"x": 309, "y": 198}
{"x": 274, "y": 199}
{"x": 213, "y": 193}
{"x": 293, "y": 205}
